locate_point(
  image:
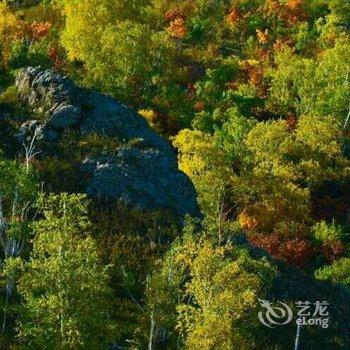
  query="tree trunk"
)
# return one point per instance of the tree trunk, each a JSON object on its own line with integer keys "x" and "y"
{"x": 152, "y": 333}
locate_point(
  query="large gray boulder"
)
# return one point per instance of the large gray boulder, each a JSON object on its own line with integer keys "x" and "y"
{"x": 142, "y": 172}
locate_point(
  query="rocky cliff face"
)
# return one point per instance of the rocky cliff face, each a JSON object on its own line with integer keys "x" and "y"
{"x": 142, "y": 171}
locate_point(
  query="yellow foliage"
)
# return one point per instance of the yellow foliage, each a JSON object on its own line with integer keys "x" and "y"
{"x": 151, "y": 117}
{"x": 283, "y": 160}
{"x": 11, "y": 28}
{"x": 321, "y": 134}
{"x": 246, "y": 221}
{"x": 263, "y": 36}
{"x": 206, "y": 165}
{"x": 221, "y": 290}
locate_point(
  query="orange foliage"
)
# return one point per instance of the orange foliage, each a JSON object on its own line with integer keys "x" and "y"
{"x": 199, "y": 106}
{"x": 55, "y": 58}
{"x": 280, "y": 44}
{"x": 272, "y": 7}
{"x": 247, "y": 221}
{"x": 191, "y": 91}
{"x": 294, "y": 4}
{"x": 177, "y": 29}
{"x": 233, "y": 16}
{"x": 262, "y": 54}
{"x": 174, "y": 14}
{"x": 255, "y": 73}
{"x": 263, "y": 36}
{"x": 291, "y": 12}
{"x": 296, "y": 251}
{"x": 40, "y": 29}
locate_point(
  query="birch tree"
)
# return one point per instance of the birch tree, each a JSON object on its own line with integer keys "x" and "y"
{"x": 18, "y": 191}
{"x": 64, "y": 286}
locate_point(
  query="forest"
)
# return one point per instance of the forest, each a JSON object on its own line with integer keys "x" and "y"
{"x": 174, "y": 174}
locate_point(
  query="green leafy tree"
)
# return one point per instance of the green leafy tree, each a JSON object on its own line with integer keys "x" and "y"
{"x": 206, "y": 165}
{"x": 211, "y": 289}
{"x": 18, "y": 191}
{"x": 318, "y": 86}
{"x": 64, "y": 286}
{"x": 338, "y": 272}
{"x": 123, "y": 56}
{"x": 264, "y": 174}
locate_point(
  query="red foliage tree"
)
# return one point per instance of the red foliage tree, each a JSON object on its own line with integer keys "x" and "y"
{"x": 174, "y": 14}
{"x": 295, "y": 251}
{"x": 234, "y": 16}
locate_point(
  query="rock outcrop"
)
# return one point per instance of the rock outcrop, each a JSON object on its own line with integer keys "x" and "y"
{"x": 142, "y": 172}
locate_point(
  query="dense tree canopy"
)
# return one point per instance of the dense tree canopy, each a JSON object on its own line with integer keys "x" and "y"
{"x": 254, "y": 98}
{"x": 63, "y": 285}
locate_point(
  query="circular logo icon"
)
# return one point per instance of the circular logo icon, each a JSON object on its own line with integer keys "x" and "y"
{"x": 274, "y": 315}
